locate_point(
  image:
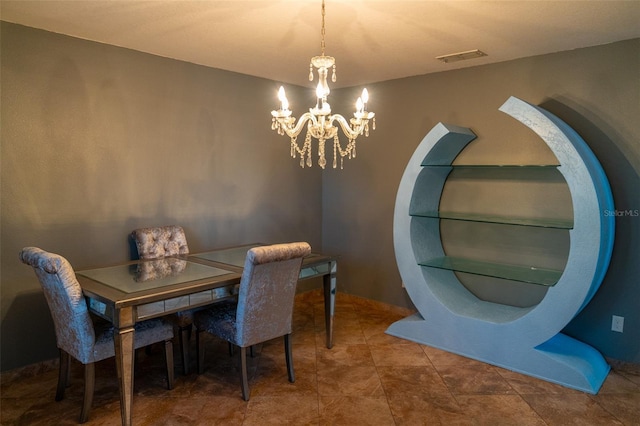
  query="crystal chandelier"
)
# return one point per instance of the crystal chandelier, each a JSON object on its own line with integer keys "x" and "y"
{"x": 321, "y": 124}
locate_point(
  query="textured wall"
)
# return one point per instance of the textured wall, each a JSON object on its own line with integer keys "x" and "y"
{"x": 98, "y": 140}
{"x": 594, "y": 90}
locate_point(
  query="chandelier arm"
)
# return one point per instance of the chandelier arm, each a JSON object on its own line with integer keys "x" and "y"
{"x": 294, "y": 131}
{"x": 346, "y": 128}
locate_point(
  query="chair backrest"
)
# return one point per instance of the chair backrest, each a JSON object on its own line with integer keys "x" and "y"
{"x": 74, "y": 328}
{"x": 267, "y": 290}
{"x": 161, "y": 241}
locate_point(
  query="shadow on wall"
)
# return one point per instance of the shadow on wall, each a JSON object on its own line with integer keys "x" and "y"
{"x": 619, "y": 292}
{"x": 24, "y": 336}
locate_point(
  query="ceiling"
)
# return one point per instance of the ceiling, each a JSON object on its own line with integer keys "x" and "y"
{"x": 372, "y": 40}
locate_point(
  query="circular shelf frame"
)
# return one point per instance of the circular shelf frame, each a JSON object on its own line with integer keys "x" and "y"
{"x": 527, "y": 340}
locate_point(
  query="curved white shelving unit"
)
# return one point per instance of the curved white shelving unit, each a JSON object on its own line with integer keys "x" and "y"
{"x": 527, "y": 340}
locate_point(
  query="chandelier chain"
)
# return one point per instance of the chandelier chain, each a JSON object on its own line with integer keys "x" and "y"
{"x": 322, "y": 31}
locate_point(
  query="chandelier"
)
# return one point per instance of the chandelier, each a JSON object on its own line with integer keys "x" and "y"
{"x": 321, "y": 124}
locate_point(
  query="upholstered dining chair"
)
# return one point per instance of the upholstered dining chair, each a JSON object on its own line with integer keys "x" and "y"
{"x": 156, "y": 243}
{"x": 264, "y": 306}
{"x": 79, "y": 334}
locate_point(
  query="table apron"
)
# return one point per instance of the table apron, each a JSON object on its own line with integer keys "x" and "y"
{"x": 160, "y": 308}
{"x": 316, "y": 270}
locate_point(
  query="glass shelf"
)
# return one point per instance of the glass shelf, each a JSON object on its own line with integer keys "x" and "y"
{"x": 505, "y": 220}
{"x": 531, "y": 275}
{"x": 495, "y": 166}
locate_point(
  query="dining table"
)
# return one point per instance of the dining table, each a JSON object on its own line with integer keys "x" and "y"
{"x": 137, "y": 290}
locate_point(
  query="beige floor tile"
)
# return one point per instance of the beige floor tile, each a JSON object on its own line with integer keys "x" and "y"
{"x": 432, "y": 410}
{"x": 358, "y": 354}
{"x": 282, "y": 410}
{"x": 498, "y": 410}
{"x": 571, "y": 409}
{"x": 355, "y": 410}
{"x": 410, "y": 381}
{"x": 406, "y": 353}
{"x": 625, "y": 407}
{"x": 351, "y": 380}
{"x": 618, "y": 383}
{"x": 367, "y": 378}
{"x": 375, "y": 333}
{"x": 209, "y": 410}
{"x": 531, "y": 385}
{"x": 483, "y": 379}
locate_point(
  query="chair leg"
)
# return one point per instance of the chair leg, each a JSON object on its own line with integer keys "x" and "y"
{"x": 89, "y": 385}
{"x": 63, "y": 374}
{"x": 243, "y": 372}
{"x": 200, "y": 350}
{"x": 168, "y": 356}
{"x": 231, "y": 349}
{"x": 289, "y": 357}
{"x": 184, "y": 335}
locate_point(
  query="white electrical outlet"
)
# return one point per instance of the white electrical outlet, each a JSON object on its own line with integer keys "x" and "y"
{"x": 617, "y": 323}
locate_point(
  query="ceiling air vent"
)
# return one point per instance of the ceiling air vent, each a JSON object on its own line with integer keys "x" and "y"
{"x": 461, "y": 56}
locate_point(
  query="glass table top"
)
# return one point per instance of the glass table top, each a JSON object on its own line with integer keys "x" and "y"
{"x": 150, "y": 274}
{"x": 233, "y": 256}
{"x": 236, "y": 256}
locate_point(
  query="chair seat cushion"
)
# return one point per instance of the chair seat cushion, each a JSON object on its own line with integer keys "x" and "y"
{"x": 146, "y": 333}
{"x": 219, "y": 319}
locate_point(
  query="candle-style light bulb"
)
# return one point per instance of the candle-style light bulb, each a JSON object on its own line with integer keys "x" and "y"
{"x": 359, "y": 105}
{"x": 282, "y": 97}
{"x": 365, "y": 98}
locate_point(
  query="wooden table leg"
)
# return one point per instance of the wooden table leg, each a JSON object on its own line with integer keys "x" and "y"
{"x": 123, "y": 340}
{"x": 330, "y": 284}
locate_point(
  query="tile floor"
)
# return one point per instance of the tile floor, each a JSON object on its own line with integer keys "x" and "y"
{"x": 368, "y": 378}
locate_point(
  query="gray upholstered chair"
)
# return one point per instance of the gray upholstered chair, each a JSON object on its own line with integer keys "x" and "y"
{"x": 264, "y": 306}
{"x": 80, "y": 335}
{"x": 156, "y": 243}
{"x": 161, "y": 241}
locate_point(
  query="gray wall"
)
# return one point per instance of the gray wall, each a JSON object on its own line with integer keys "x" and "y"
{"x": 99, "y": 140}
{"x": 595, "y": 90}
